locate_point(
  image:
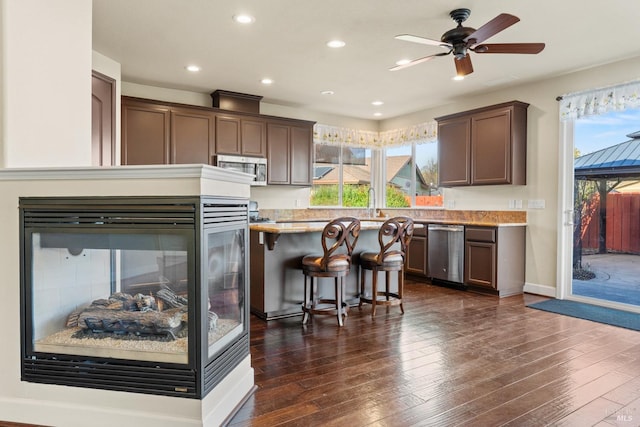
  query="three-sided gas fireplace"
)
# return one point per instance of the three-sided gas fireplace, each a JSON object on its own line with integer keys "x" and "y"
{"x": 136, "y": 294}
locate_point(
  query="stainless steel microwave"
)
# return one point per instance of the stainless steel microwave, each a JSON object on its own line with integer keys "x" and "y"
{"x": 256, "y": 166}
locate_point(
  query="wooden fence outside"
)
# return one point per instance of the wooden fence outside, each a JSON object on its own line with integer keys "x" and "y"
{"x": 622, "y": 222}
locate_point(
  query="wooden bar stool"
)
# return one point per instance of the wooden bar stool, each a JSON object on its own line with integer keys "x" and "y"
{"x": 339, "y": 237}
{"x": 394, "y": 237}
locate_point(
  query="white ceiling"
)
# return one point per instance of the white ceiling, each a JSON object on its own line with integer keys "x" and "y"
{"x": 154, "y": 40}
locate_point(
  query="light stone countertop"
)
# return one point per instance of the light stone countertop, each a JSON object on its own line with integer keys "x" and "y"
{"x": 369, "y": 224}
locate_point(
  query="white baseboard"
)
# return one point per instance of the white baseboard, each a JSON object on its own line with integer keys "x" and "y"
{"x": 544, "y": 290}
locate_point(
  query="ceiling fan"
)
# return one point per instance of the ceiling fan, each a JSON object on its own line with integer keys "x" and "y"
{"x": 461, "y": 40}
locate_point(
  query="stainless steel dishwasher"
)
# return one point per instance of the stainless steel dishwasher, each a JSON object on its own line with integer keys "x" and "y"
{"x": 446, "y": 252}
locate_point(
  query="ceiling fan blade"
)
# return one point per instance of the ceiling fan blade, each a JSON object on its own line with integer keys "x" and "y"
{"x": 491, "y": 28}
{"x": 417, "y": 61}
{"x": 463, "y": 66}
{"x": 422, "y": 40}
{"x": 531, "y": 48}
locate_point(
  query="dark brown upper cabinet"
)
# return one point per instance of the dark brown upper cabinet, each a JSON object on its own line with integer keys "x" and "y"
{"x": 156, "y": 132}
{"x": 240, "y": 136}
{"x": 161, "y": 134}
{"x": 192, "y": 136}
{"x": 289, "y": 154}
{"x": 486, "y": 146}
{"x": 145, "y": 133}
{"x": 227, "y": 135}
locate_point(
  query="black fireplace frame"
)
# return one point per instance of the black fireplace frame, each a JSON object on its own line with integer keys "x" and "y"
{"x": 197, "y": 215}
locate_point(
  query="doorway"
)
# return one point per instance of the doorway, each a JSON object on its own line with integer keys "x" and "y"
{"x": 601, "y": 224}
{"x": 103, "y": 112}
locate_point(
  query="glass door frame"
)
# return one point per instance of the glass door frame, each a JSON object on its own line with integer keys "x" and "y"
{"x": 564, "y": 264}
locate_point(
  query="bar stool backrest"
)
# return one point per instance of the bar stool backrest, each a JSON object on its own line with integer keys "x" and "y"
{"x": 394, "y": 237}
{"x": 339, "y": 238}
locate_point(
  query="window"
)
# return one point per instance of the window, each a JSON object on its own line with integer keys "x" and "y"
{"x": 411, "y": 176}
{"x": 341, "y": 176}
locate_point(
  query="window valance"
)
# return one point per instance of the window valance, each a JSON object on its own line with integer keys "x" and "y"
{"x": 600, "y": 101}
{"x": 333, "y": 135}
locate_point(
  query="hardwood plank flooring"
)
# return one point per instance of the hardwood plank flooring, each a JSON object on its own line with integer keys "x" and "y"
{"x": 454, "y": 358}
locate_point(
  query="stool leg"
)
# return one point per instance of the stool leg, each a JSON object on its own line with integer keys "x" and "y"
{"x": 374, "y": 291}
{"x": 305, "y": 304}
{"x": 387, "y": 281}
{"x": 338, "y": 282}
{"x": 400, "y": 288}
{"x": 362, "y": 272}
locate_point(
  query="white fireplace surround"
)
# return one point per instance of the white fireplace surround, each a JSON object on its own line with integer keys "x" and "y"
{"x": 51, "y": 405}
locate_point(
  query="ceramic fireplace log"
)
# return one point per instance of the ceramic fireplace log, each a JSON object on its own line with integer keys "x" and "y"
{"x": 166, "y": 322}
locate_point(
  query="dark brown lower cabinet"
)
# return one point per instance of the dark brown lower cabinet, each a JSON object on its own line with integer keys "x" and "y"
{"x": 417, "y": 253}
{"x": 494, "y": 259}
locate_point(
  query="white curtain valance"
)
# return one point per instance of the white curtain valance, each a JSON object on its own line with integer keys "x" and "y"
{"x": 332, "y": 135}
{"x": 600, "y": 101}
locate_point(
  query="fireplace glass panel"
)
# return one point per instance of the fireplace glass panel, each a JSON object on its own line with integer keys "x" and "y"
{"x": 225, "y": 287}
{"x": 113, "y": 294}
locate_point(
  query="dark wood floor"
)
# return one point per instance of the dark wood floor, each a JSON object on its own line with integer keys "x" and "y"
{"x": 453, "y": 359}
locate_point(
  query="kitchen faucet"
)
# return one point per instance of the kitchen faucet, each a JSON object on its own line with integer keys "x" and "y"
{"x": 371, "y": 208}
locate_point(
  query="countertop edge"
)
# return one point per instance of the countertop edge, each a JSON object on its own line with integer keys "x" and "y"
{"x": 313, "y": 226}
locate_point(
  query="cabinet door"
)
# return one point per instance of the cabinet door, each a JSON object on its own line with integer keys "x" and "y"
{"x": 228, "y": 135}
{"x": 191, "y": 137}
{"x": 480, "y": 264}
{"x": 145, "y": 134}
{"x": 491, "y": 147}
{"x": 278, "y": 155}
{"x": 253, "y": 138}
{"x": 301, "y": 155}
{"x": 417, "y": 256}
{"x": 454, "y": 149}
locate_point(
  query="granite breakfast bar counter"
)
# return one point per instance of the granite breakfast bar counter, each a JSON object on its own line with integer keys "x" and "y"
{"x": 276, "y": 251}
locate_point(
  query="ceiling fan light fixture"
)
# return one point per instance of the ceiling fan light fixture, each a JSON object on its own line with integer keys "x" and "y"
{"x": 458, "y": 78}
{"x": 461, "y": 40}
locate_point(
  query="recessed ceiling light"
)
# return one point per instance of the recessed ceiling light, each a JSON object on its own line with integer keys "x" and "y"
{"x": 266, "y": 81}
{"x": 377, "y": 103}
{"x": 336, "y": 43}
{"x": 327, "y": 92}
{"x": 377, "y": 114}
{"x": 403, "y": 62}
{"x": 192, "y": 68}
{"x": 244, "y": 19}
{"x": 458, "y": 78}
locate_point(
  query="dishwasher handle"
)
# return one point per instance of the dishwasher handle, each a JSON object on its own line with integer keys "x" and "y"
{"x": 448, "y": 228}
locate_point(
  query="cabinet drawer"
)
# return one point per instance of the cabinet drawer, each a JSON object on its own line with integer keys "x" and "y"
{"x": 420, "y": 229}
{"x": 481, "y": 234}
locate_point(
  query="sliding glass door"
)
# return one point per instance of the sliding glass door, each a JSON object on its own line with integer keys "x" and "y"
{"x": 599, "y": 256}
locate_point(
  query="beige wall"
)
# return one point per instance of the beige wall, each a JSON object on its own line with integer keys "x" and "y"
{"x": 46, "y": 114}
